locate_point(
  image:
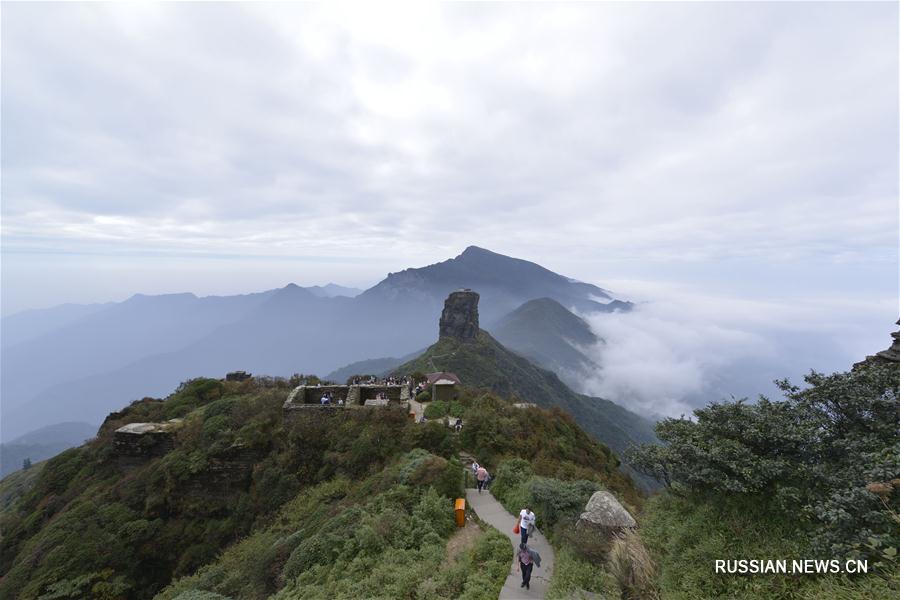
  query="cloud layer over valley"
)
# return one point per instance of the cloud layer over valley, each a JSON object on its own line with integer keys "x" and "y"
{"x": 683, "y": 349}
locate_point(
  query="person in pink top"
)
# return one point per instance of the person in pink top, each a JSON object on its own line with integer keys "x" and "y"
{"x": 526, "y": 559}
{"x": 481, "y": 476}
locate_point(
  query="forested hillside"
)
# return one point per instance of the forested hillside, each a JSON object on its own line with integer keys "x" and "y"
{"x": 485, "y": 363}
{"x": 317, "y": 500}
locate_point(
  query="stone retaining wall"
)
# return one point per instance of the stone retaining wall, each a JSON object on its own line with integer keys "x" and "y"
{"x": 136, "y": 443}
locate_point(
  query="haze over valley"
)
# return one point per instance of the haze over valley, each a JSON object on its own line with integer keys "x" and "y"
{"x": 659, "y": 357}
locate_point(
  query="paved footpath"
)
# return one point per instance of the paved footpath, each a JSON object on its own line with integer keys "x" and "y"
{"x": 492, "y": 512}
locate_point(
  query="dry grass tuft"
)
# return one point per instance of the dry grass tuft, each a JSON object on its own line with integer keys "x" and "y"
{"x": 632, "y": 567}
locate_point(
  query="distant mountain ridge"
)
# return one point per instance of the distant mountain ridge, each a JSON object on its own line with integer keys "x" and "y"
{"x": 333, "y": 290}
{"x": 43, "y": 443}
{"x": 146, "y": 345}
{"x": 503, "y": 282}
{"x": 551, "y": 336}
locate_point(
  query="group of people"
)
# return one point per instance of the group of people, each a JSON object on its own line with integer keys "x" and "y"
{"x": 526, "y": 557}
{"x": 328, "y": 398}
{"x": 372, "y": 380}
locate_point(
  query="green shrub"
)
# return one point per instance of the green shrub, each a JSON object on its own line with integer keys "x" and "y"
{"x": 509, "y": 484}
{"x": 424, "y": 396}
{"x": 436, "y": 410}
{"x": 434, "y": 437}
{"x": 685, "y": 536}
{"x": 219, "y": 407}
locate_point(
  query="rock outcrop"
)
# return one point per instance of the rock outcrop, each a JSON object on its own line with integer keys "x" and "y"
{"x": 889, "y": 356}
{"x": 225, "y": 473}
{"x": 238, "y": 376}
{"x": 459, "y": 319}
{"x": 604, "y": 511}
{"x": 892, "y": 354}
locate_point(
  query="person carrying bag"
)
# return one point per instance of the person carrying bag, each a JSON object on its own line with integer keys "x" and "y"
{"x": 526, "y": 558}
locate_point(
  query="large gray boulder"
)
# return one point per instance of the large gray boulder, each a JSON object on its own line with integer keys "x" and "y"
{"x": 604, "y": 511}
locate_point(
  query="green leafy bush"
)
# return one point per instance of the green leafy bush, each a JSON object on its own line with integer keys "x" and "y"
{"x": 685, "y": 537}
{"x": 510, "y": 483}
{"x": 552, "y": 500}
{"x": 816, "y": 454}
{"x": 436, "y": 410}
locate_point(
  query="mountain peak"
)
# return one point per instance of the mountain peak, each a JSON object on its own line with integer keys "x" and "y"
{"x": 476, "y": 251}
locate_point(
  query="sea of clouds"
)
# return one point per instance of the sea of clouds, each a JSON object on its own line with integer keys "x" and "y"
{"x": 683, "y": 349}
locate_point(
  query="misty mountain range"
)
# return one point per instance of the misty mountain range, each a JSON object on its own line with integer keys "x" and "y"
{"x": 42, "y": 443}
{"x": 78, "y": 363}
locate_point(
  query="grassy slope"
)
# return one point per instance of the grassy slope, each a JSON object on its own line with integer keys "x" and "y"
{"x": 685, "y": 537}
{"x": 383, "y": 537}
{"x": 16, "y": 485}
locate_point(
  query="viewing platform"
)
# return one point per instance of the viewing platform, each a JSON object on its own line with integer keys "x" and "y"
{"x": 309, "y": 397}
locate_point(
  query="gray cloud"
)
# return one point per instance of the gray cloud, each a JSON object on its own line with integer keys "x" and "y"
{"x": 586, "y": 137}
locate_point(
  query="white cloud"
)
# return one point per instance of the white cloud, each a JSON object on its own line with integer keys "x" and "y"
{"x": 684, "y": 349}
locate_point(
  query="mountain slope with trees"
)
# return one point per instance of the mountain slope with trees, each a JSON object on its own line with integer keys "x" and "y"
{"x": 484, "y": 363}
{"x": 94, "y": 523}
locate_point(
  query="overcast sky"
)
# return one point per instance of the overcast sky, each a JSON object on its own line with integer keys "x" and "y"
{"x": 737, "y": 149}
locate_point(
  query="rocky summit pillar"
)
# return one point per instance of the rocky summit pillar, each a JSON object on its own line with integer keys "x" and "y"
{"x": 460, "y": 317}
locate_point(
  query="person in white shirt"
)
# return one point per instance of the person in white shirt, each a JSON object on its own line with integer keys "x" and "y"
{"x": 526, "y": 523}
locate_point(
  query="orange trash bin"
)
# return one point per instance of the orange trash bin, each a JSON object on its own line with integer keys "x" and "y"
{"x": 460, "y": 512}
